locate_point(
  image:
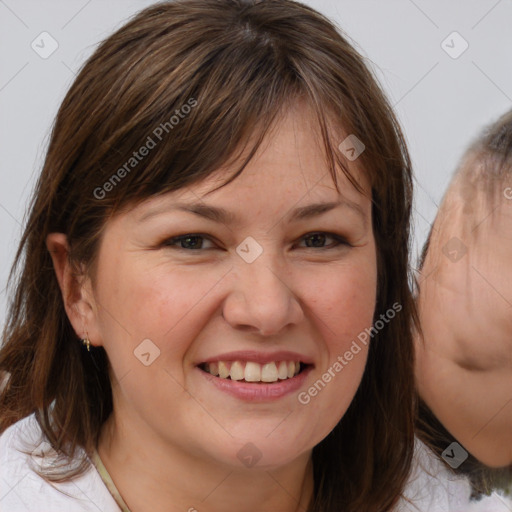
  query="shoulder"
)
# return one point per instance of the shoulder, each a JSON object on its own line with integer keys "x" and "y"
{"x": 22, "y": 450}
{"x": 432, "y": 487}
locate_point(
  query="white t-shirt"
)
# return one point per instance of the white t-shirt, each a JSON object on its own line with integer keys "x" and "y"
{"x": 23, "y": 490}
{"x": 431, "y": 487}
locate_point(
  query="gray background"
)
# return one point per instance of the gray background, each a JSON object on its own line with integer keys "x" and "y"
{"x": 442, "y": 102}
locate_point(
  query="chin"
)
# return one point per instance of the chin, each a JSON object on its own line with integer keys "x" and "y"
{"x": 260, "y": 453}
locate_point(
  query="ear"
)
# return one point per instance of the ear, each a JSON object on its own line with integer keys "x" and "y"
{"x": 77, "y": 293}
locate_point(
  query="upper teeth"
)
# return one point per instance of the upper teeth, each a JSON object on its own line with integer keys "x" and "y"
{"x": 254, "y": 372}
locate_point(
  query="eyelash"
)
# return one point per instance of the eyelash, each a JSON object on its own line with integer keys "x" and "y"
{"x": 171, "y": 242}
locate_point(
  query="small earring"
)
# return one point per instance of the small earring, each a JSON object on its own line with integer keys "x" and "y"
{"x": 87, "y": 343}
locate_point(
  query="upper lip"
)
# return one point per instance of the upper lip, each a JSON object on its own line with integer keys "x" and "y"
{"x": 260, "y": 357}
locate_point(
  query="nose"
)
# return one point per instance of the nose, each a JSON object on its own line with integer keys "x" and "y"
{"x": 262, "y": 299}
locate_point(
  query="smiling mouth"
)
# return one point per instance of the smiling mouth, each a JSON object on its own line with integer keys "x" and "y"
{"x": 249, "y": 371}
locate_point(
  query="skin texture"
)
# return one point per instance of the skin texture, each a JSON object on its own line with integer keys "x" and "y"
{"x": 174, "y": 433}
{"x": 464, "y": 364}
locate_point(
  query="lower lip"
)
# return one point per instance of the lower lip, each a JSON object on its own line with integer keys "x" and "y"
{"x": 265, "y": 392}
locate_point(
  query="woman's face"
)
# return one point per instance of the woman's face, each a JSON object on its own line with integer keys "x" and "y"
{"x": 250, "y": 279}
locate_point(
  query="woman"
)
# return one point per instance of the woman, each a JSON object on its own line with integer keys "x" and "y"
{"x": 270, "y": 369}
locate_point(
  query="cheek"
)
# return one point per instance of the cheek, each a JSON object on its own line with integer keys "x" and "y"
{"x": 347, "y": 315}
{"x": 343, "y": 307}
{"x": 344, "y": 301}
{"x": 164, "y": 304}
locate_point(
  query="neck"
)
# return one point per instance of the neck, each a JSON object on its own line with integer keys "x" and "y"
{"x": 152, "y": 475}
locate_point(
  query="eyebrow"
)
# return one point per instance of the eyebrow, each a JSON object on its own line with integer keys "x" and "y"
{"x": 224, "y": 216}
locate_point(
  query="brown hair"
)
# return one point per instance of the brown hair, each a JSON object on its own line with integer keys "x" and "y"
{"x": 242, "y": 62}
{"x": 484, "y": 169}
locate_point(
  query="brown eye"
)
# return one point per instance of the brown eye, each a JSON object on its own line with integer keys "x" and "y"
{"x": 317, "y": 240}
{"x": 187, "y": 242}
{"x": 195, "y": 242}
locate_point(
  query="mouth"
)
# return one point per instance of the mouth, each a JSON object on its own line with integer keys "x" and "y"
{"x": 254, "y": 372}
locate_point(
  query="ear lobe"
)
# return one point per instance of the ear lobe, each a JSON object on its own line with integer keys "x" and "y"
{"x": 79, "y": 309}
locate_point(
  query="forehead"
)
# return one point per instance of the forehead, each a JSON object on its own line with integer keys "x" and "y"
{"x": 261, "y": 191}
{"x": 291, "y": 155}
{"x": 289, "y": 169}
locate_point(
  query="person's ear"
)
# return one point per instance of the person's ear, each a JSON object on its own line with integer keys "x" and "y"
{"x": 76, "y": 290}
